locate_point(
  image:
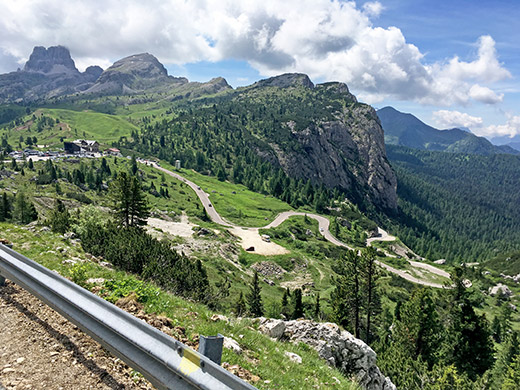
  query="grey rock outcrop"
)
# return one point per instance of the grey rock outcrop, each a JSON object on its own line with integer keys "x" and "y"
{"x": 348, "y": 152}
{"x": 133, "y": 74}
{"x": 338, "y": 347}
{"x": 286, "y": 80}
{"x": 47, "y": 74}
{"x": 55, "y": 59}
{"x": 500, "y": 289}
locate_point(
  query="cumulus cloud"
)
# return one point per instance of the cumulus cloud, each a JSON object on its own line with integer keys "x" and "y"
{"x": 485, "y": 95}
{"x": 450, "y": 119}
{"x": 373, "y": 8}
{"x": 327, "y": 39}
{"x": 511, "y": 128}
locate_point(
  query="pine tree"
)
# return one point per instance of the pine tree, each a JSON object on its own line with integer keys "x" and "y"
{"x": 5, "y": 208}
{"x": 129, "y": 202}
{"x": 24, "y": 211}
{"x": 317, "y": 307}
{"x": 285, "y": 303}
{"x": 240, "y": 305}
{"x": 347, "y": 297}
{"x": 298, "y": 304}
{"x": 372, "y": 304}
{"x": 60, "y": 218}
{"x": 254, "y": 298}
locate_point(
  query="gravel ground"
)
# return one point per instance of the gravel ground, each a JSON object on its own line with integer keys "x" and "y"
{"x": 40, "y": 349}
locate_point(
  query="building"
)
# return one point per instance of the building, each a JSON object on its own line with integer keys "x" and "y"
{"x": 81, "y": 146}
{"x": 71, "y": 148}
{"x": 113, "y": 152}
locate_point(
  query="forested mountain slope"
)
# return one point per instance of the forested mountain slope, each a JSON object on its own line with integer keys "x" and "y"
{"x": 459, "y": 206}
{"x": 407, "y": 130}
{"x": 275, "y": 130}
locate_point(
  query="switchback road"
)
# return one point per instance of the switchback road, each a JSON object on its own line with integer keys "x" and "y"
{"x": 323, "y": 224}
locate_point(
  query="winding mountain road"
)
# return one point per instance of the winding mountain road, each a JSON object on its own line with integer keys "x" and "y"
{"x": 323, "y": 224}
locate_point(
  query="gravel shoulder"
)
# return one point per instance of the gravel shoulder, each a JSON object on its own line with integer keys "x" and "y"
{"x": 40, "y": 349}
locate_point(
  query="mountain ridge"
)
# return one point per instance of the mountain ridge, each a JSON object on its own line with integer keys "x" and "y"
{"x": 407, "y": 130}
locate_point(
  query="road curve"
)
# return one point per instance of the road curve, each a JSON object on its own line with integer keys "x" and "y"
{"x": 323, "y": 224}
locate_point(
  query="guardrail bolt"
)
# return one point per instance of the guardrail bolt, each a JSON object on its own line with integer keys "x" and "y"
{"x": 2, "y": 281}
{"x": 211, "y": 347}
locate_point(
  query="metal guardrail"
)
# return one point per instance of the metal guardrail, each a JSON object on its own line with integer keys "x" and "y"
{"x": 164, "y": 361}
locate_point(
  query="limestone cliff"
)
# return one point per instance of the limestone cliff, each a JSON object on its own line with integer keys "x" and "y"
{"x": 324, "y": 134}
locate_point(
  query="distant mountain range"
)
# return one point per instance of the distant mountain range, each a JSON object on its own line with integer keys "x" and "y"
{"x": 51, "y": 73}
{"x": 407, "y": 130}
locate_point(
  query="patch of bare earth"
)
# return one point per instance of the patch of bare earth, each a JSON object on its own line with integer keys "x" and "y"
{"x": 40, "y": 349}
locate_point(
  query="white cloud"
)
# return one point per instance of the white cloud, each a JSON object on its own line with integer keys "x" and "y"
{"x": 327, "y": 39}
{"x": 485, "y": 95}
{"x": 449, "y": 119}
{"x": 373, "y": 8}
{"x": 511, "y": 128}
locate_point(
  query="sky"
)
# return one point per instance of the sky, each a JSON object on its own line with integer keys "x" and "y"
{"x": 451, "y": 63}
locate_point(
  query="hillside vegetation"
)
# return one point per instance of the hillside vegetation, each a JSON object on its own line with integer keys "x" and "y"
{"x": 457, "y": 206}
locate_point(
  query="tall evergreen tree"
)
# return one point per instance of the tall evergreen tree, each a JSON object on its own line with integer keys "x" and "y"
{"x": 129, "y": 202}
{"x": 298, "y": 304}
{"x": 5, "y": 208}
{"x": 254, "y": 298}
{"x": 347, "y": 297}
{"x": 60, "y": 218}
{"x": 371, "y": 275}
{"x": 24, "y": 210}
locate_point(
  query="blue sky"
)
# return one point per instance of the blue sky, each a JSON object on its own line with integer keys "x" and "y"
{"x": 451, "y": 63}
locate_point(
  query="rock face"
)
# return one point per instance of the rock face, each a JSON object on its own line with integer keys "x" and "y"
{"x": 55, "y": 59}
{"x": 286, "y": 80}
{"x": 347, "y": 152}
{"x": 132, "y": 74}
{"x": 328, "y": 137}
{"x": 48, "y": 73}
{"x": 339, "y": 348}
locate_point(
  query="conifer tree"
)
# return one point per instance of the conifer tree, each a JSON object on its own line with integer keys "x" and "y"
{"x": 298, "y": 304}
{"x": 60, "y": 218}
{"x": 347, "y": 297}
{"x": 129, "y": 202}
{"x": 5, "y": 208}
{"x": 285, "y": 303}
{"x": 254, "y": 298}
{"x": 240, "y": 305}
{"x": 24, "y": 210}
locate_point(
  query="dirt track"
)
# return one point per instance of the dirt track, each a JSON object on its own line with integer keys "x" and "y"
{"x": 39, "y": 349}
{"x": 251, "y": 237}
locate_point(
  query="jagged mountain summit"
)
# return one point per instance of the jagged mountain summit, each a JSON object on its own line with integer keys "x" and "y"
{"x": 47, "y": 74}
{"x": 51, "y": 73}
{"x": 55, "y": 59}
{"x": 407, "y": 130}
{"x": 136, "y": 73}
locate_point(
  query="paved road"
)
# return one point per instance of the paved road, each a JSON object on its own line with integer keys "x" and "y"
{"x": 323, "y": 224}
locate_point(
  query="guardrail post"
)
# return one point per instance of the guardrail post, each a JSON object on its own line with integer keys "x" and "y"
{"x": 211, "y": 347}
{"x": 2, "y": 281}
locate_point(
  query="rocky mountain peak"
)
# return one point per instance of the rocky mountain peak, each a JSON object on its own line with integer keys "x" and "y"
{"x": 335, "y": 87}
{"x": 55, "y": 59}
{"x": 94, "y": 71}
{"x": 286, "y": 80}
{"x": 141, "y": 65}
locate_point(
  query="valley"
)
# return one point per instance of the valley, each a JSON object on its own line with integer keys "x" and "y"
{"x": 201, "y": 196}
